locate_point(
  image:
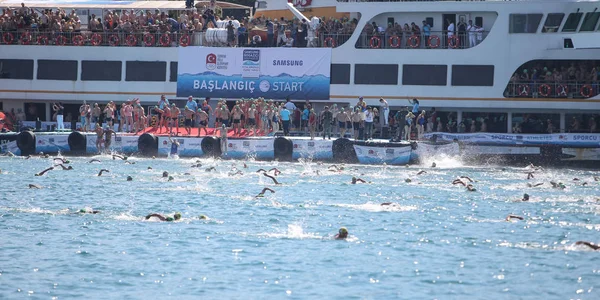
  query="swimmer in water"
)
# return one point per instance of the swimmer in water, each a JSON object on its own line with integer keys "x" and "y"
{"x": 165, "y": 174}
{"x": 276, "y": 171}
{"x": 510, "y": 217}
{"x": 525, "y": 197}
{"x": 534, "y": 185}
{"x": 102, "y": 171}
{"x": 433, "y": 165}
{"x": 175, "y": 217}
{"x": 467, "y": 178}
{"x": 93, "y": 161}
{"x": 591, "y": 245}
{"x": 471, "y": 188}
{"x": 272, "y": 178}
{"x": 196, "y": 166}
{"x": 203, "y": 217}
{"x": 171, "y": 178}
{"x": 458, "y": 181}
{"x": 119, "y": 156}
{"x": 421, "y": 172}
{"x": 129, "y": 178}
{"x": 62, "y": 160}
{"x": 262, "y": 193}
{"x": 130, "y": 162}
{"x": 408, "y": 180}
{"x": 559, "y": 185}
{"x": 337, "y": 169}
{"x": 44, "y": 172}
{"x": 342, "y": 234}
{"x": 358, "y": 180}
{"x": 34, "y": 186}
{"x": 596, "y": 178}
{"x": 231, "y": 173}
{"x": 530, "y": 175}
{"x": 211, "y": 169}
{"x": 87, "y": 211}
{"x": 65, "y": 168}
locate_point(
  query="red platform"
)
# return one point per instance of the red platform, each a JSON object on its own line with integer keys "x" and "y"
{"x": 181, "y": 132}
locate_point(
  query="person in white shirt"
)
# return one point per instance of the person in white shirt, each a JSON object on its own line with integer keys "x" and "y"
{"x": 472, "y": 30}
{"x": 369, "y": 123}
{"x": 289, "y": 41}
{"x": 450, "y": 32}
{"x": 386, "y": 111}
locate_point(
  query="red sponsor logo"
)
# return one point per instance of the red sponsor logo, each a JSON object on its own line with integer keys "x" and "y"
{"x": 211, "y": 61}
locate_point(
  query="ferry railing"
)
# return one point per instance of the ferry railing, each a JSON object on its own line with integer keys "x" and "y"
{"x": 431, "y": 40}
{"x": 552, "y": 89}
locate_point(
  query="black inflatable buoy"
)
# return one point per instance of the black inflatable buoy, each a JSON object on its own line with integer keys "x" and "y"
{"x": 26, "y": 142}
{"x": 211, "y": 146}
{"x": 148, "y": 145}
{"x": 77, "y": 142}
{"x": 283, "y": 149}
{"x": 343, "y": 151}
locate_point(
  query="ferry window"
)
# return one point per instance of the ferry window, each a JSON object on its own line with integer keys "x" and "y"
{"x": 552, "y": 23}
{"x": 100, "y": 70}
{"x": 375, "y": 74}
{"x": 473, "y": 75}
{"x": 424, "y": 74}
{"x": 572, "y": 22}
{"x": 429, "y": 20}
{"x": 524, "y": 23}
{"x": 146, "y": 71}
{"x": 340, "y": 73}
{"x": 173, "y": 75}
{"x": 57, "y": 69}
{"x": 589, "y": 22}
{"x": 479, "y": 21}
{"x": 16, "y": 68}
{"x": 261, "y": 4}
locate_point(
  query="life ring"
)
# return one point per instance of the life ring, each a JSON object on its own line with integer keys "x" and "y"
{"x": 523, "y": 90}
{"x": 562, "y": 90}
{"x": 545, "y": 90}
{"x": 61, "y": 40}
{"x": 454, "y": 44}
{"x": 148, "y": 39}
{"x": 78, "y": 40}
{"x": 42, "y": 40}
{"x": 26, "y": 38}
{"x": 435, "y": 38}
{"x": 148, "y": 144}
{"x": 131, "y": 40}
{"x": 211, "y": 146}
{"x": 414, "y": 41}
{"x": 394, "y": 41}
{"x": 96, "y": 39}
{"x": 77, "y": 142}
{"x": 8, "y": 38}
{"x": 331, "y": 42}
{"x": 372, "y": 43}
{"x": 165, "y": 39}
{"x": 184, "y": 40}
{"x": 113, "y": 40}
{"x": 26, "y": 142}
{"x": 586, "y": 91}
{"x": 282, "y": 149}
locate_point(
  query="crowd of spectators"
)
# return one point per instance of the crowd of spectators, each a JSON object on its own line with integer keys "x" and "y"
{"x": 560, "y": 78}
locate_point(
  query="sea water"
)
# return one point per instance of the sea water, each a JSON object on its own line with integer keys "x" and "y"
{"x": 437, "y": 241}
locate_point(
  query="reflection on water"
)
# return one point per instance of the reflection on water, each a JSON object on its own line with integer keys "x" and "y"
{"x": 431, "y": 239}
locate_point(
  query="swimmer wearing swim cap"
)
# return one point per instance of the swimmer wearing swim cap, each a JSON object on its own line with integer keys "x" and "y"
{"x": 203, "y": 217}
{"x": 88, "y": 211}
{"x": 129, "y": 178}
{"x": 165, "y": 174}
{"x": 171, "y": 178}
{"x": 525, "y": 197}
{"x": 175, "y": 217}
{"x": 342, "y": 234}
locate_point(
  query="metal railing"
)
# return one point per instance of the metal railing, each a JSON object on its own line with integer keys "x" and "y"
{"x": 552, "y": 89}
{"x": 434, "y": 40}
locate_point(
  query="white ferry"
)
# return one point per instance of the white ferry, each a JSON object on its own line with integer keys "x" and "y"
{"x": 526, "y": 66}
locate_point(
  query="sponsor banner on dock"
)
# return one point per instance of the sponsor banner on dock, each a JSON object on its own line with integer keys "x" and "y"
{"x": 559, "y": 139}
{"x": 380, "y": 155}
{"x": 119, "y": 143}
{"x": 272, "y": 73}
{"x": 52, "y": 143}
{"x": 312, "y": 149}
{"x": 187, "y": 146}
{"x": 250, "y": 148}
{"x": 8, "y": 143}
